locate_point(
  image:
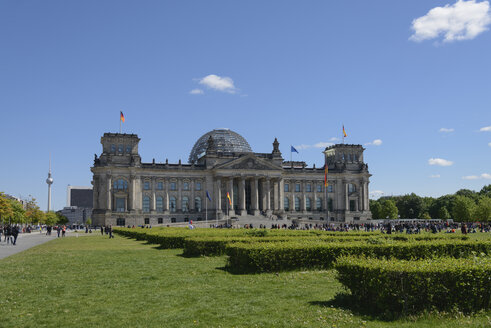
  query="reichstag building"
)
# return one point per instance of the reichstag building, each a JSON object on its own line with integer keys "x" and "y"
{"x": 224, "y": 178}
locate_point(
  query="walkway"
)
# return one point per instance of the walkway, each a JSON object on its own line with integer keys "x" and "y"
{"x": 24, "y": 241}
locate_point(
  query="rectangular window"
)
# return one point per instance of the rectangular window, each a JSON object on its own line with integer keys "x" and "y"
{"x": 146, "y": 185}
{"x": 185, "y": 186}
{"x": 120, "y": 222}
{"x": 146, "y": 204}
{"x": 120, "y": 204}
{"x": 287, "y": 187}
{"x": 128, "y": 149}
{"x": 147, "y": 220}
{"x": 319, "y": 188}
{"x": 160, "y": 220}
{"x": 351, "y": 188}
{"x": 331, "y": 207}
{"x": 352, "y": 205}
{"x": 330, "y": 188}
{"x": 160, "y": 185}
{"x": 113, "y": 149}
{"x": 198, "y": 185}
{"x": 297, "y": 204}
{"x": 297, "y": 187}
{"x": 120, "y": 149}
{"x": 173, "y": 186}
{"x": 160, "y": 204}
{"x": 308, "y": 187}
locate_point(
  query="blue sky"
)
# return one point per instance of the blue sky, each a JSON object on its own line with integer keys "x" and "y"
{"x": 392, "y": 71}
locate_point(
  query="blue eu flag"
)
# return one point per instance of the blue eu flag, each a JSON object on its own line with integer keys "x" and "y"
{"x": 294, "y": 150}
{"x": 208, "y": 195}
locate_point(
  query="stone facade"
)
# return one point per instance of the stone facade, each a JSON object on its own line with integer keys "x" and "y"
{"x": 129, "y": 192}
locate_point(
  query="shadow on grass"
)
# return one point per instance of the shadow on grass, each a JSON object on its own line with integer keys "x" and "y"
{"x": 346, "y": 301}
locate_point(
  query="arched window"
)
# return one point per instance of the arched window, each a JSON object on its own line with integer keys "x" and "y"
{"x": 185, "y": 186}
{"x": 351, "y": 188}
{"x": 160, "y": 204}
{"x": 146, "y": 204}
{"x": 197, "y": 204}
{"x": 287, "y": 204}
{"x": 172, "y": 204}
{"x": 308, "y": 187}
{"x": 308, "y": 205}
{"x": 318, "y": 204}
{"x": 120, "y": 184}
{"x": 297, "y": 204}
{"x": 185, "y": 204}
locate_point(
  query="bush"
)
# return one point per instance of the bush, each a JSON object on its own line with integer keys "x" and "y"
{"x": 400, "y": 286}
{"x": 284, "y": 256}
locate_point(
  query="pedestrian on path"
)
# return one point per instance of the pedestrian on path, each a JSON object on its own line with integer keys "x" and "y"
{"x": 63, "y": 231}
{"x": 15, "y": 233}
{"x": 58, "y": 230}
{"x": 102, "y": 231}
{"x": 110, "y": 232}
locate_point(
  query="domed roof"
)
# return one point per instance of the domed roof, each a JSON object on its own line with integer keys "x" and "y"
{"x": 225, "y": 140}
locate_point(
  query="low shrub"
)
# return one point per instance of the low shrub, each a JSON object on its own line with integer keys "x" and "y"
{"x": 284, "y": 256}
{"x": 401, "y": 286}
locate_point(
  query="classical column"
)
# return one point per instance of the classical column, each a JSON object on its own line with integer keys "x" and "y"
{"x": 231, "y": 193}
{"x": 218, "y": 195}
{"x": 131, "y": 193}
{"x": 268, "y": 195}
{"x": 282, "y": 195}
{"x": 109, "y": 196}
{"x": 367, "y": 201}
{"x": 242, "y": 198}
{"x": 153, "y": 202}
{"x": 179, "y": 195}
{"x": 303, "y": 206}
{"x": 275, "y": 195}
{"x": 166, "y": 195}
{"x": 255, "y": 197}
{"x": 313, "y": 202}
{"x": 191, "y": 201}
{"x": 346, "y": 202}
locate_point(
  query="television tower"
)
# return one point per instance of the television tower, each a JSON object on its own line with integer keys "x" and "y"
{"x": 49, "y": 181}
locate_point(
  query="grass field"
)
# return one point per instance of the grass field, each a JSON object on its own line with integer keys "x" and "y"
{"x": 92, "y": 281}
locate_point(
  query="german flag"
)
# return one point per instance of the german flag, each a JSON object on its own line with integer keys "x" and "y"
{"x": 325, "y": 176}
{"x": 229, "y": 200}
{"x": 344, "y": 132}
{"x": 121, "y": 117}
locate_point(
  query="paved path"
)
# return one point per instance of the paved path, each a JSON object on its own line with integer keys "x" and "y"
{"x": 24, "y": 241}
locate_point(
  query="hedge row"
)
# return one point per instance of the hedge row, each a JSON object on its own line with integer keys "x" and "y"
{"x": 273, "y": 257}
{"x": 399, "y": 286}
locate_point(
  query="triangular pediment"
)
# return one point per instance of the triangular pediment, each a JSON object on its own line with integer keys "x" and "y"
{"x": 248, "y": 162}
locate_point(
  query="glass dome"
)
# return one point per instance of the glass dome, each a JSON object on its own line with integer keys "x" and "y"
{"x": 225, "y": 140}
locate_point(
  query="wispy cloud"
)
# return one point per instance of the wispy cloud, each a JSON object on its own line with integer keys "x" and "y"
{"x": 489, "y": 144}
{"x": 435, "y": 176}
{"x": 439, "y": 162}
{"x": 320, "y": 144}
{"x": 485, "y": 129}
{"x": 334, "y": 139}
{"x": 486, "y": 176}
{"x": 196, "y": 92}
{"x": 218, "y": 83}
{"x": 445, "y": 130}
{"x": 464, "y": 20}
{"x": 374, "y": 194}
{"x": 376, "y": 142}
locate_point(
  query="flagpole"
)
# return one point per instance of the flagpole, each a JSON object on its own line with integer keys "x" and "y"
{"x": 119, "y": 123}
{"x": 206, "y": 210}
{"x": 291, "y": 152}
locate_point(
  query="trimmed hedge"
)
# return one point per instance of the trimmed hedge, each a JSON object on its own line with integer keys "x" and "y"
{"x": 399, "y": 286}
{"x": 273, "y": 257}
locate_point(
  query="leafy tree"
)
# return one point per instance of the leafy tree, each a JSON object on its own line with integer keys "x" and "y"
{"x": 51, "y": 218}
{"x": 33, "y": 213}
{"x": 61, "y": 219}
{"x": 463, "y": 209}
{"x": 482, "y": 211}
{"x": 410, "y": 206}
{"x": 18, "y": 212}
{"x": 443, "y": 201}
{"x": 376, "y": 209}
{"x": 486, "y": 191}
{"x": 88, "y": 221}
{"x": 389, "y": 209}
{"x": 6, "y": 211}
{"x": 467, "y": 193}
{"x": 443, "y": 213}
{"x": 425, "y": 216}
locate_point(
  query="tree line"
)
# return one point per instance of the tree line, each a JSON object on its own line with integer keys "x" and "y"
{"x": 13, "y": 211}
{"x": 463, "y": 206}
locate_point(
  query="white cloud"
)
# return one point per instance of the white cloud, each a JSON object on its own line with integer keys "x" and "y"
{"x": 215, "y": 82}
{"x": 376, "y": 142}
{"x": 435, "y": 176}
{"x": 439, "y": 162}
{"x": 489, "y": 144}
{"x": 334, "y": 139}
{"x": 196, "y": 92}
{"x": 464, "y": 20}
{"x": 320, "y": 144}
{"x": 485, "y": 129}
{"x": 376, "y": 194}
{"x": 446, "y": 130}
{"x": 476, "y": 177}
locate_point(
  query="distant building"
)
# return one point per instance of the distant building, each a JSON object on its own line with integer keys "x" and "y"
{"x": 225, "y": 178}
{"x": 79, "y": 204}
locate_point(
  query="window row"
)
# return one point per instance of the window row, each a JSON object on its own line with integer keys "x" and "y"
{"x": 121, "y": 184}
{"x": 308, "y": 187}
{"x": 120, "y": 149}
{"x": 308, "y": 204}
{"x": 159, "y": 204}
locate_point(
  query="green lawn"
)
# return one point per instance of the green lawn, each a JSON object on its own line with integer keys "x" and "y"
{"x": 92, "y": 281}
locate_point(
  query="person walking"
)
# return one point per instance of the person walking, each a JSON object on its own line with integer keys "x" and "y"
{"x": 63, "y": 230}
{"x": 102, "y": 231}
{"x": 110, "y": 228}
{"x": 15, "y": 233}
